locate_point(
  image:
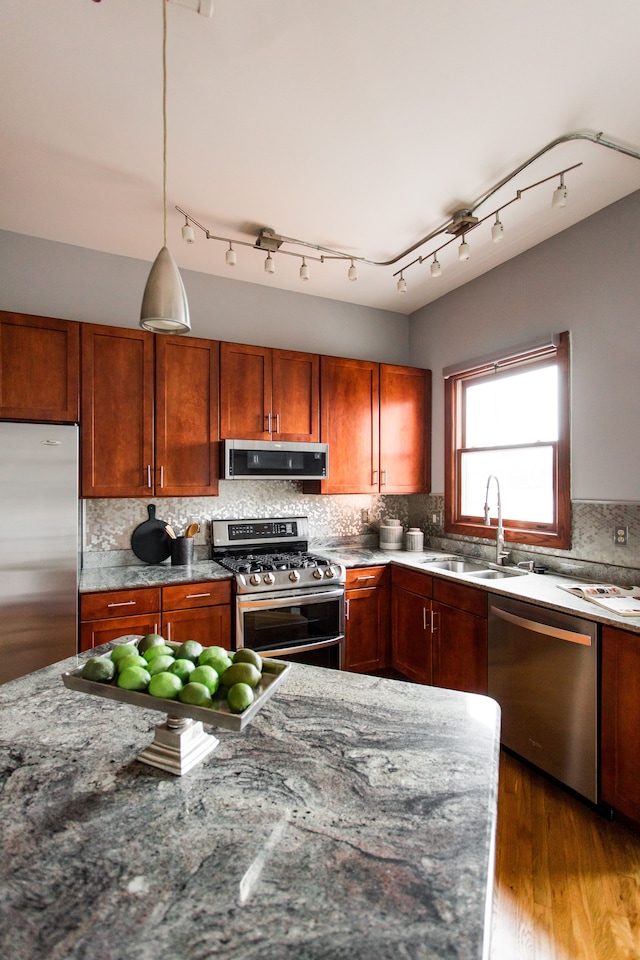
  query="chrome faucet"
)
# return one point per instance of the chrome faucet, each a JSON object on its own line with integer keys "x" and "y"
{"x": 501, "y": 553}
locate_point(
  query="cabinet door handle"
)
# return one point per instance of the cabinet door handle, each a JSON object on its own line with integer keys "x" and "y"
{"x": 384, "y": 479}
{"x": 192, "y": 596}
{"x": 346, "y": 609}
{"x": 375, "y": 478}
{"x": 424, "y": 618}
{"x": 123, "y": 603}
{"x": 149, "y": 475}
{"x": 277, "y": 423}
{"x": 435, "y": 623}
{"x": 269, "y": 423}
{"x": 167, "y": 627}
{"x": 162, "y": 476}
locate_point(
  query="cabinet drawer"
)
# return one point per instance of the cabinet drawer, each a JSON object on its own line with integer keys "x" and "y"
{"x": 93, "y": 633}
{"x": 365, "y": 577}
{"x": 460, "y": 596}
{"x": 119, "y": 603}
{"x": 413, "y": 580}
{"x": 189, "y": 595}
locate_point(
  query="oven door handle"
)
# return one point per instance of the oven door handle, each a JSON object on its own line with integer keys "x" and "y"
{"x": 302, "y": 648}
{"x": 243, "y": 600}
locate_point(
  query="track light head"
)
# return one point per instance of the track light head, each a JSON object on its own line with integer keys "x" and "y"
{"x": 269, "y": 265}
{"x": 402, "y": 284}
{"x": 352, "y": 273}
{"x": 187, "y": 232}
{"x": 559, "y": 198}
{"x": 464, "y": 250}
{"x": 497, "y": 230}
{"x": 230, "y": 256}
{"x": 304, "y": 270}
{"x": 436, "y": 269}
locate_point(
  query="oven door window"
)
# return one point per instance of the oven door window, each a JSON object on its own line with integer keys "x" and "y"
{"x": 290, "y": 623}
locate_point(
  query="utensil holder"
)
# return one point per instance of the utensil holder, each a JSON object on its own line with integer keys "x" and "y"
{"x": 181, "y": 551}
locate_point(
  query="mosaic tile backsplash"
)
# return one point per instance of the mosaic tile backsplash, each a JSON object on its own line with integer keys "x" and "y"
{"x": 109, "y": 523}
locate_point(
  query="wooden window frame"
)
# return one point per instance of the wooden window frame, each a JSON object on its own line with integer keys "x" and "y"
{"x": 557, "y": 534}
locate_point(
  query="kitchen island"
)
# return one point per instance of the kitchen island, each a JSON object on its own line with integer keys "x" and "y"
{"x": 354, "y": 817}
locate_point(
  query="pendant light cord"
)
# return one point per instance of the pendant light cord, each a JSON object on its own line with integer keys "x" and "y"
{"x": 164, "y": 118}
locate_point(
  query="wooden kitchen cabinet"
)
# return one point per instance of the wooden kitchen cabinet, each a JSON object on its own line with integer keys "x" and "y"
{"x": 620, "y": 713}
{"x": 367, "y": 619}
{"x": 39, "y": 368}
{"x": 268, "y": 394}
{"x": 116, "y": 613}
{"x": 376, "y": 419}
{"x": 411, "y": 640}
{"x": 149, "y": 414}
{"x": 459, "y": 639}
{"x": 198, "y": 611}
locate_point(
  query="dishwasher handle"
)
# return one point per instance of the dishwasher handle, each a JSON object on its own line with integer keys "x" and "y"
{"x": 536, "y": 627}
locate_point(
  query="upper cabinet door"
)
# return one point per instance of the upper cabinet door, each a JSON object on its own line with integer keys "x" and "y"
{"x": 186, "y": 417}
{"x": 296, "y": 391}
{"x": 245, "y": 392}
{"x": 39, "y": 368}
{"x": 350, "y": 425}
{"x": 117, "y": 412}
{"x": 405, "y": 429}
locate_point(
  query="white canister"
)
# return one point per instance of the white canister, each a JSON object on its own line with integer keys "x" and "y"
{"x": 415, "y": 539}
{"x": 391, "y": 534}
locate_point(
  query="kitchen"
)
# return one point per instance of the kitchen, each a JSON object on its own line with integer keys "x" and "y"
{"x": 583, "y": 279}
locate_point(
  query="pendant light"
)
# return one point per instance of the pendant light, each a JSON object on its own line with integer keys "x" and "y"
{"x": 164, "y": 302}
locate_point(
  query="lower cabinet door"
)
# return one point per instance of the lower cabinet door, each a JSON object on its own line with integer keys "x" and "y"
{"x": 620, "y": 747}
{"x": 93, "y": 633}
{"x": 411, "y": 635}
{"x": 459, "y": 650}
{"x": 367, "y": 629}
{"x": 210, "y": 626}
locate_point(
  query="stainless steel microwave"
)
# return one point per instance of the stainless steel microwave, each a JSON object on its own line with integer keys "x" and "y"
{"x": 274, "y": 460}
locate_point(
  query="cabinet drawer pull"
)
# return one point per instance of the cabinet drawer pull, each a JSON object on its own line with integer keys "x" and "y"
{"x": 192, "y": 596}
{"x": 370, "y": 577}
{"x": 123, "y": 603}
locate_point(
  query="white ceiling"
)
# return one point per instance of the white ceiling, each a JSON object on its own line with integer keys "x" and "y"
{"x": 360, "y": 125}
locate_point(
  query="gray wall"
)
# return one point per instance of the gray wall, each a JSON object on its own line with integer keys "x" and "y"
{"x": 585, "y": 280}
{"x": 60, "y": 280}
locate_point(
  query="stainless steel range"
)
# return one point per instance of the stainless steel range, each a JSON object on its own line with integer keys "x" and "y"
{"x": 288, "y": 602}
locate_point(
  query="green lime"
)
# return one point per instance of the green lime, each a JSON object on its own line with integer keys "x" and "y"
{"x": 151, "y": 640}
{"x": 215, "y": 657}
{"x": 122, "y": 651}
{"x": 134, "y": 660}
{"x": 239, "y": 697}
{"x": 207, "y": 675}
{"x": 189, "y": 650}
{"x": 196, "y": 694}
{"x": 241, "y": 673}
{"x": 245, "y": 655}
{"x": 159, "y": 651}
{"x": 158, "y": 664}
{"x": 100, "y": 669}
{"x": 134, "y": 678}
{"x": 165, "y": 685}
{"x": 181, "y": 668}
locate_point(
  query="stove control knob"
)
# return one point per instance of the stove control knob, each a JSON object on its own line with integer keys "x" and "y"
{"x": 329, "y": 573}
{"x": 318, "y": 573}
{"x": 254, "y": 579}
{"x": 294, "y": 575}
{"x": 269, "y": 578}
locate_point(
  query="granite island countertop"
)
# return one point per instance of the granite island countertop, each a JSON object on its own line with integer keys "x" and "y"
{"x": 354, "y": 817}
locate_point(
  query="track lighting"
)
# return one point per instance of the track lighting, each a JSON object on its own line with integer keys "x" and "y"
{"x": 187, "y": 232}
{"x": 352, "y": 272}
{"x": 436, "y": 269}
{"x": 304, "y": 270}
{"x": 463, "y": 250}
{"x": 230, "y": 256}
{"x": 497, "y": 230}
{"x": 560, "y": 194}
{"x": 269, "y": 265}
{"x": 402, "y": 284}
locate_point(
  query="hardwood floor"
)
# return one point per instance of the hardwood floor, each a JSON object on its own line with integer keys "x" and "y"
{"x": 567, "y": 880}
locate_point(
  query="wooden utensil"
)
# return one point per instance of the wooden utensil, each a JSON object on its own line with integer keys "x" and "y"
{"x": 192, "y": 529}
{"x": 169, "y": 530}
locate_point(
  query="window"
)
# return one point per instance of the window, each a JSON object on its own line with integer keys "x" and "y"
{"x": 508, "y": 416}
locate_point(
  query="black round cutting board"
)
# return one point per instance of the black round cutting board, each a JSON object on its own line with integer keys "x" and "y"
{"x": 150, "y": 541}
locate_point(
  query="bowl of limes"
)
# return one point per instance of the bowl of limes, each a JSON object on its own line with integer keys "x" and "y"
{"x": 187, "y": 681}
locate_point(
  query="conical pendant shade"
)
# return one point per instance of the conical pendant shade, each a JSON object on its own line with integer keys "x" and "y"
{"x": 164, "y": 303}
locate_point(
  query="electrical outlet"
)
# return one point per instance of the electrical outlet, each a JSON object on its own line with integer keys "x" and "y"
{"x": 621, "y": 535}
{"x": 364, "y": 516}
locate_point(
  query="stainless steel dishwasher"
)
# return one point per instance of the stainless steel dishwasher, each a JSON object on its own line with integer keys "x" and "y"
{"x": 543, "y": 671}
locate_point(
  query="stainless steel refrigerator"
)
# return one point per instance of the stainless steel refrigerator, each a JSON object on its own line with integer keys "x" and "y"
{"x": 38, "y": 546}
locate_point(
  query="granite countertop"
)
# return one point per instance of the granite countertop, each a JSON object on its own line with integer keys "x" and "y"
{"x": 354, "y": 817}
{"x": 544, "y": 590}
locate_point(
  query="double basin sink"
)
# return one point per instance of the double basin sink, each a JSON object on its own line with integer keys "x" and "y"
{"x": 475, "y": 568}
